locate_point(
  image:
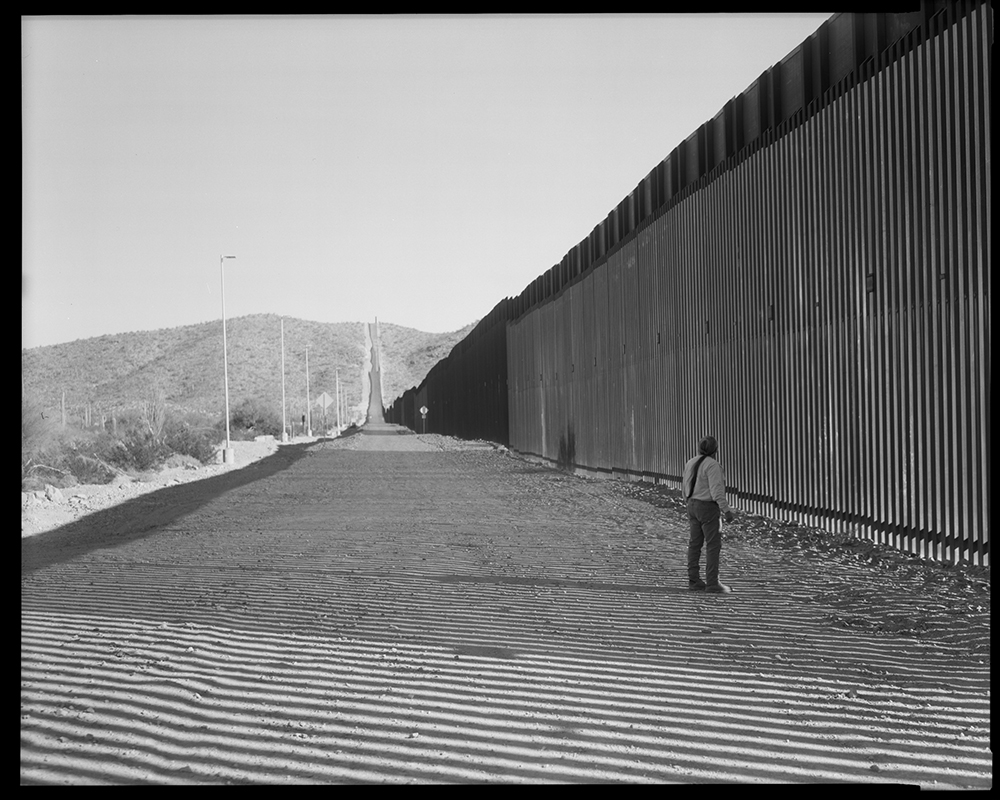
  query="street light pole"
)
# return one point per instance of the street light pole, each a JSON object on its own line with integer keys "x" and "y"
{"x": 284, "y": 426}
{"x": 228, "y": 456}
{"x": 309, "y": 422}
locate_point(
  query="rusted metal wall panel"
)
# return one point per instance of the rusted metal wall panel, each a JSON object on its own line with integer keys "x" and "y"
{"x": 820, "y": 303}
{"x": 807, "y": 276}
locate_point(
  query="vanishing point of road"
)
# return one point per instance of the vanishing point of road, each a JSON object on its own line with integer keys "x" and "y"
{"x": 403, "y": 608}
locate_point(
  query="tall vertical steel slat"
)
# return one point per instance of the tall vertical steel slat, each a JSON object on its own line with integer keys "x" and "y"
{"x": 730, "y": 424}
{"x": 676, "y": 322}
{"x": 893, "y": 477}
{"x": 525, "y": 417}
{"x": 949, "y": 299}
{"x": 665, "y": 327}
{"x": 567, "y": 369}
{"x": 968, "y": 184}
{"x": 744, "y": 289}
{"x": 706, "y": 414}
{"x": 640, "y": 351}
{"x": 586, "y": 450}
{"x": 935, "y": 303}
{"x": 772, "y": 272}
{"x": 547, "y": 349}
{"x": 630, "y": 312}
{"x": 719, "y": 298}
{"x": 731, "y": 410}
{"x": 807, "y": 249}
{"x": 742, "y": 343}
{"x": 694, "y": 327}
{"x": 956, "y": 233}
{"x": 578, "y": 407}
{"x": 902, "y": 189}
{"x": 925, "y": 303}
{"x": 601, "y": 324}
{"x": 776, "y": 275}
{"x": 629, "y": 404}
{"x": 766, "y": 379}
{"x": 844, "y": 267}
{"x": 616, "y": 344}
{"x": 643, "y": 373}
{"x": 535, "y": 344}
{"x": 651, "y": 440}
{"x": 965, "y": 464}
{"x": 704, "y": 417}
{"x": 858, "y": 231}
{"x": 762, "y": 335}
{"x": 661, "y": 409}
{"x": 979, "y": 52}
{"x": 908, "y": 190}
{"x": 553, "y": 345}
{"x": 942, "y": 342}
{"x": 645, "y": 429}
{"x": 513, "y": 385}
{"x": 874, "y": 317}
{"x": 816, "y": 138}
{"x": 801, "y": 393}
{"x": 820, "y": 299}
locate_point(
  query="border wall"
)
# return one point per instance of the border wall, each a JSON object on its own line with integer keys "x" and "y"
{"x": 806, "y": 277}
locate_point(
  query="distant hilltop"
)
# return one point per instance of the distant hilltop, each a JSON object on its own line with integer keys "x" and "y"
{"x": 117, "y": 371}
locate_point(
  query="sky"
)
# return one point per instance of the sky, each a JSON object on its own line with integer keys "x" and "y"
{"x": 413, "y": 169}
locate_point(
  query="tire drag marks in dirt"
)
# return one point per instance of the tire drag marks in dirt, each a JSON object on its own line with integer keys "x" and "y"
{"x": 343, "y": 646}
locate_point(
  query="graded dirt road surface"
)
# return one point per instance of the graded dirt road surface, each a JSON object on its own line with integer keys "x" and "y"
{"x": 404, "y": 608}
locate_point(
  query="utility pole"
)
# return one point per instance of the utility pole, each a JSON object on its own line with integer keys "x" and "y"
{"x": 309, "y": 424}
{"x": 284, "y": 426}
{"x": 337, "y": 372}
{"x": 64, "y": 408}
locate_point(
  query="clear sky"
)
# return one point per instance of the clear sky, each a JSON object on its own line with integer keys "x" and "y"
{"x": 414, "y": 169}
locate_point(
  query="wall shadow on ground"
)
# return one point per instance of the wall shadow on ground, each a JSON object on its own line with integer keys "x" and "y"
{"x": 115, "y": 525}
{"x": 375, "y": 676}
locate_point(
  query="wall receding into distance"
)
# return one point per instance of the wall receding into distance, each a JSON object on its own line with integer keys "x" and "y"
{"x": 806, "y": 277}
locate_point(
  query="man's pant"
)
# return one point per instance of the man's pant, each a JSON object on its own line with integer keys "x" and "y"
{"x": 703, "y": 520}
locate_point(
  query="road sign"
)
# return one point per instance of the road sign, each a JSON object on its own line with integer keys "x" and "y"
{"x": 324, "y": 401}
{"x": 423, "y": 411}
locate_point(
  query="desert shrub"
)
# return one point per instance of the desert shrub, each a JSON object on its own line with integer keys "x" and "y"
{"x": 64, "y": 457}
{"x": 252, "y": 418}
{"x": 138, "y": 449}
{"x": 69, "y": 457}
{"x": 93, "y": 457}
{"x": 185, "y": 439}
{"x": 37, "y": 437}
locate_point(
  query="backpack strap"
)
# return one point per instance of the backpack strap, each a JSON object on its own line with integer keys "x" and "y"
{"x": 694, "y": 477}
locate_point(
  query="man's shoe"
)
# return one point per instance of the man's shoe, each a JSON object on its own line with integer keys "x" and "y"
{"x": 696, "y": 586}
{"x": 718, "y": 588}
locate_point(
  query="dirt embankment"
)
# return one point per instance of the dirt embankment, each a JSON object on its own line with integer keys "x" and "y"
{"x": 45, "y": 510}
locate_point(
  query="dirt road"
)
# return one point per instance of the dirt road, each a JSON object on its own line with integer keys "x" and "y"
{"x": 409, "y": 608}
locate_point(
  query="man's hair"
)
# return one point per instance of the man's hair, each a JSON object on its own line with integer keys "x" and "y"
{"x": 708, "y": 446}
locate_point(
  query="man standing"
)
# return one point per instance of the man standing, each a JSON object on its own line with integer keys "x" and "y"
{"x": 705, "y": 490}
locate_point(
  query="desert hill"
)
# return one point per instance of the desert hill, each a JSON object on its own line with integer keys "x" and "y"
{"x": 118, "y": 371}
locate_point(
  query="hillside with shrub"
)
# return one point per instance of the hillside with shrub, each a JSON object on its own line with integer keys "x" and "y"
{"x": 132, "y": 400}
{"x": 116, "y": 372}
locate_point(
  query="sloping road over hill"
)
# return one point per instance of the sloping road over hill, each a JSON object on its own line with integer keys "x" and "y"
{"x": 380, "y": 609}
